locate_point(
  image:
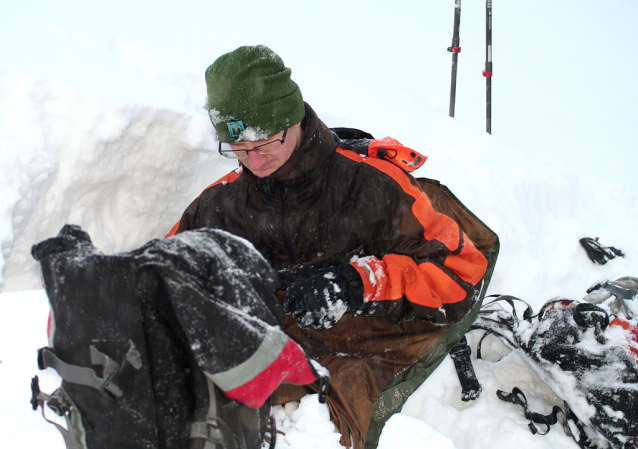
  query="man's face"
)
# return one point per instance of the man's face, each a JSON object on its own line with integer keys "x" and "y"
{"x": 262, "y": 165}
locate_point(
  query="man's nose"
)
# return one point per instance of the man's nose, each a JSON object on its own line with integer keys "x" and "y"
{"x": 255, "y": 158}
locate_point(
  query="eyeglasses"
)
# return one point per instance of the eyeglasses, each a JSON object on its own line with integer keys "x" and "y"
{"x": 266, "y": 148}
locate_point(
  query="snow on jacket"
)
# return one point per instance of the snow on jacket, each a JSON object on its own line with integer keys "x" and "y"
{"x": 328, "y": 206}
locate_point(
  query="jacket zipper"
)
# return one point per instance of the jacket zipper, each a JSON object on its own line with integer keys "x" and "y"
{"x": 268, "y": 187}
{"x": 282, "y": 227}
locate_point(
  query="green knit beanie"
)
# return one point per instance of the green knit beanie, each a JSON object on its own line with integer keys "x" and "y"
{"x": 251, "y": 95}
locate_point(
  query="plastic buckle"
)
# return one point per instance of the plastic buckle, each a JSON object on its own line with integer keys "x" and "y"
{"x": 41, "y": 360}
{"x": 213, "y": 431}
{"x": 35, "y": 393}
{"x": 59, "y": 402}
{"x": 110, "y": 390}
{"x": 324, "y": 386}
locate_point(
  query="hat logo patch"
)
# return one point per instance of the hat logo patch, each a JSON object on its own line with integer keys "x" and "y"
{"x": 235, "y": 128}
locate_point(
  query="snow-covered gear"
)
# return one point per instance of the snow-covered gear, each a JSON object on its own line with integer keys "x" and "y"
{"x": 251, "y": 95}
{"x": 566, "y": 346}
{"x": 330, "y": 206}
{"x": 176, "y": 344}
{"x": 320, "y": 297}
{"x": 598, "y": 253}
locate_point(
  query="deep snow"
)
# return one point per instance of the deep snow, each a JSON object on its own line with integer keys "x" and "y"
{"x": 101, "y": 125}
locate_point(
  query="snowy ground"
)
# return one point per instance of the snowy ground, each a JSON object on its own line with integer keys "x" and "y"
{"x": 101, "y": 125}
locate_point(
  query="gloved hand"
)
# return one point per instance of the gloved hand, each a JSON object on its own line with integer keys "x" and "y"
{"x": 322, "y": 297}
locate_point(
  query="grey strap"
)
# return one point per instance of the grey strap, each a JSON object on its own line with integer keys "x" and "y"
{"x": 116, "y": 376}
{"x": 71, "y": 373}
{"x": 99, "y": 358}
{"x": 39, "y": 399}
{"x": 209, "y": 430}
{"x": 69, "y": 438}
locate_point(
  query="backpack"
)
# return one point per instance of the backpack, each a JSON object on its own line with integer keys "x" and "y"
{"x": 130, "y": 332}
{"x": 567, "y": 344}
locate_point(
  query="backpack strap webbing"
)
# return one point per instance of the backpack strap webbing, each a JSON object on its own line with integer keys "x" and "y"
{"x": 116, "y": 376}
{"x": 461, "y": 356}
{"x": 209, "y": 430}
{"x": 60, "y": 403}
{"x": 518, "y": 397}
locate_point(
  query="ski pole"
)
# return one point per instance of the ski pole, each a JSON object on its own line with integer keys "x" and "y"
{"x": 487, "y": 73}
{"x": 455, "y": 50}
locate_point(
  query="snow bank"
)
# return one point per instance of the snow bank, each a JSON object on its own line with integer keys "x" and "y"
{"x": 124, "y": 174}
{"x": 23, "y": 319}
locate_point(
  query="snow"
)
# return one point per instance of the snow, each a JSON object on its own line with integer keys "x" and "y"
{"x": 102, "y": 124}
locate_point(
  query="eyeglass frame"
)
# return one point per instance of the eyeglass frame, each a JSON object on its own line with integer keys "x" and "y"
{"x": 227, "y": 153}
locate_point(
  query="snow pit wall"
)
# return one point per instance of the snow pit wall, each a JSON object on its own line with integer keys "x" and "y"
{"x": 123, "y": 174}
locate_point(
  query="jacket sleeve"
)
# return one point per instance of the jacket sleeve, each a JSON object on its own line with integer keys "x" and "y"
{"x": 423, "y": 264}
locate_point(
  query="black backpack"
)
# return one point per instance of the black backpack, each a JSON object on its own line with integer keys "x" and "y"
{"x": 565, "y": 345}
{"x": 121, "y": 340}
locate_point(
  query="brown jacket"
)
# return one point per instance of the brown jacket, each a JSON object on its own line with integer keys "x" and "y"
{"x": 328, "y": 206}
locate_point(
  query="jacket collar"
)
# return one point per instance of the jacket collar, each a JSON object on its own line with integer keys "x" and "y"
{"x": 308, "y": 160}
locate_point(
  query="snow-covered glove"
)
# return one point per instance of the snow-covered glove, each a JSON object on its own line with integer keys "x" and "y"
{"x": 70, "y": 237}
{"x": 322, "y": 297}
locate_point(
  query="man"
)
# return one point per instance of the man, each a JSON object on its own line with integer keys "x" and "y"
{"x": 373, "y": 275}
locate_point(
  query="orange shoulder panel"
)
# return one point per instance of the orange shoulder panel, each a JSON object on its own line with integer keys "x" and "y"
{"x": 436, "y": 226}
{"x": 230, "y": 177}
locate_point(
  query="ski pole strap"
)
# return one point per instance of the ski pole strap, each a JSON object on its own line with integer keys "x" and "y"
{"x": 517, "y": 397}
{"x": 461, "y": 356}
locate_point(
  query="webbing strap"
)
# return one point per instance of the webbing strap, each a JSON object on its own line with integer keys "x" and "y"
{"x": 517, "y": 397}
{"x": 69, "y": 437}
{"x": 209, "y": 430}
{"x": 619, "y": 292}
{"x": 116, "y": 376}
{"x": 80, "y": 375}
{"x": 39, "y": 398}
{"x": 461, "y": 356}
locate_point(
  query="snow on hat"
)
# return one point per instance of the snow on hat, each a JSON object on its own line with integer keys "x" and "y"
{"x": 251, "y": 95}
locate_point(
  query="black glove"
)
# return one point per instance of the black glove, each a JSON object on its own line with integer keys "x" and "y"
{"x": 320, "y": 298}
